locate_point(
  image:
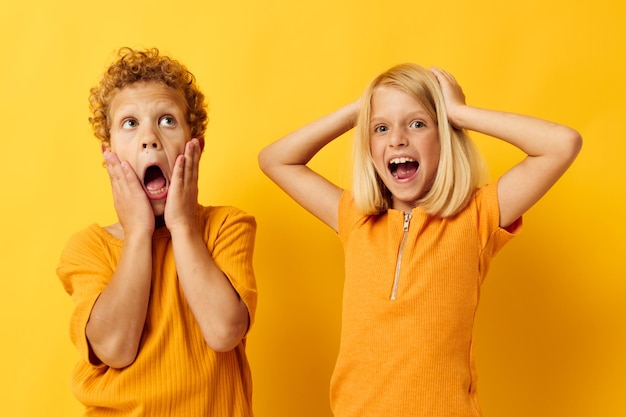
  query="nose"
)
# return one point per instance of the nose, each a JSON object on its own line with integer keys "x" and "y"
{"x": 397, "y": 138}
{"x": 149, "y": 144}
{"x": 150, "y": 139}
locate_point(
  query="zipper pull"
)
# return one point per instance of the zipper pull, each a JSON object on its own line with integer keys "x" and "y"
{"x": 407, "y": 219}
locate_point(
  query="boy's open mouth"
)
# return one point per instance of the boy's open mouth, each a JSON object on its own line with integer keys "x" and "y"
{"x": 154, "y": 181}
{"x": 403, "y": 167}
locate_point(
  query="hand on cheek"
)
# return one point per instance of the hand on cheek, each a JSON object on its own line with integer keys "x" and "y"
{"x": 133, "y": 208}
{"x": 182, "y": 197}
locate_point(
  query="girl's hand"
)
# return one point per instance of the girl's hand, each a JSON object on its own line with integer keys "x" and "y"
{"x": 132, "y": 206}
{"x": 182, "y": 197}
{"x": 452, "y": 93}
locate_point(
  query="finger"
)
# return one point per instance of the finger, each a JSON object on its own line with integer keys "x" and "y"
{"x": 178, "y": 173}
{"x": 122, "y": 176}
{"x": 438, "y": 75}
{"x": 112, "y": 166}
{"x": 192, "y": 156}
{"x": 443, "y": 75}
{"x": 130, "y": 176}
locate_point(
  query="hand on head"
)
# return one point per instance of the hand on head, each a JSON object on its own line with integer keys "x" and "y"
{"x": 452, "y": 92}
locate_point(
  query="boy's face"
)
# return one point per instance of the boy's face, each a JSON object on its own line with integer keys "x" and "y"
{"x": 149, "y": 130}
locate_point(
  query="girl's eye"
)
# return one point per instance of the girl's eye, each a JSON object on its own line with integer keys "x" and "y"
{"x": 129, "y": 123}
{"x": 380, "y": 129}
{"x": 417, "y": 124}
{"x": 168, "y": 121}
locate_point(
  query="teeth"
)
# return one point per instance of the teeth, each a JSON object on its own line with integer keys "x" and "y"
{"x": 156, "y": 192}
{"x": 401, "y": 160}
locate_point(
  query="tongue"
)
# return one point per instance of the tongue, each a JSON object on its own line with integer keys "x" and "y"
{"x": 155, "y": 184}
{"x": 406, "y": 170}
{"x": 154, "y": 179}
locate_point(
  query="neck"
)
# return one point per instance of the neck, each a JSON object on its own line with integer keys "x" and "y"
{"x": 159, "y": 221}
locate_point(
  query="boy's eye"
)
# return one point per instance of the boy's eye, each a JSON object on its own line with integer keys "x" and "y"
{"x": 417, "y": 124}
{"x": 129, "y": 123}
{"x": 168, "y": 121}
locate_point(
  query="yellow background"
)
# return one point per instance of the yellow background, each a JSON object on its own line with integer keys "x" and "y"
{"x": 551, "y": 337}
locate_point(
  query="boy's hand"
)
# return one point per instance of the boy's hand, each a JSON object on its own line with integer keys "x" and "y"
{"x": 133, "y": 208}
{"x": 182, "y": 197}
{"x": 452, "y": 93}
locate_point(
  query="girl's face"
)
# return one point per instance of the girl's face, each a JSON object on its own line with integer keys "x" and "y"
{"x": 149, "y": 130}
{"x": 405, "y": 146}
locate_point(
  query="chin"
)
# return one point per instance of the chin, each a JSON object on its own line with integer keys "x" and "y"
{"x": 158, "y": 207}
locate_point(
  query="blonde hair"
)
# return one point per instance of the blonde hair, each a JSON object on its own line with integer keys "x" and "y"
{"x": 135, "y": 66}
{"x": 460, "y": 170}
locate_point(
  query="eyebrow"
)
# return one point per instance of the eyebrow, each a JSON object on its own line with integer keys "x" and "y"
{"x": 420, "y": 114}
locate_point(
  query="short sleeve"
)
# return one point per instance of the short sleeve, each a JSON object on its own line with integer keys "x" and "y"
{"x": 348, "y": 215}
{"x": 493, "y": 237}
{"x": 230, "y": 238}
{"x": 85, "y": 268}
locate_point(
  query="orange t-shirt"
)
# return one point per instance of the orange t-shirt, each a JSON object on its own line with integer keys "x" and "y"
{"x": 175, "y": 372}
{"x": 410, "y": 299}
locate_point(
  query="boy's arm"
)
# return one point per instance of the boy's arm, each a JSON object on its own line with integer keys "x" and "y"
{"x": 222, "y": 316}
{"x": 219, "y": 311}
{"x": 550, "y": 148}
{"x": 284, "y": 161}
{"x": 116, "y": 322}
{"x": 117, "y": 319}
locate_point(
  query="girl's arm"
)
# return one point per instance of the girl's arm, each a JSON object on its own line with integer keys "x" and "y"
{"x": 550, "y": 148}
{"x": 284, "y": 161}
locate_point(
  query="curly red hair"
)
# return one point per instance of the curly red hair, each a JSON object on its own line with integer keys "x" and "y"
{"x": 135, "y": 66}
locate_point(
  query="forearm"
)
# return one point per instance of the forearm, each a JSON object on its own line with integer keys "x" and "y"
{"x": 535, "y": 137}
{"x": 221, "y": 315}
{"x": 284, "y": 162}
{"x": 117, "y": 319}
{"x": 298, "y": 147}
{"x": 550, "y": 148}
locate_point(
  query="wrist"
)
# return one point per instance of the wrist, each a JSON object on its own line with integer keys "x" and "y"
{"x": 181, "y": 229}
{"x": 459, "y": 115}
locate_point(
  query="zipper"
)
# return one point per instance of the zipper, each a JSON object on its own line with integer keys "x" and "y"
{"x": 396, "y": 279}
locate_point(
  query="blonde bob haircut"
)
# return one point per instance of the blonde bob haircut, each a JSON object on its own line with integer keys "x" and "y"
{"x": 134, "y": 66}
{"x": 460, "y": 170}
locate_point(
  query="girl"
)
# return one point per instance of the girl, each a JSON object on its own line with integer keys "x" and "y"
{"x": 418, "y": 232}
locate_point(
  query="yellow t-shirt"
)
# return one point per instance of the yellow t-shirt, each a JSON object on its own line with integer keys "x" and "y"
{"x": 410, "y": 298}
{"x": 175, "y": 372}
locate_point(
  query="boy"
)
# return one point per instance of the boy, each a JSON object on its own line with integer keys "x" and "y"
{"x": 165, "y": 297}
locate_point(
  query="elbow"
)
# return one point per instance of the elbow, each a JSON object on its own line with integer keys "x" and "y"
{"x": 271, "y": 160}
{"x": 578, "y": 143}
{"x": 115, "y": 352}
{"x": 116, "y": 357}
{"x": 120, "y": 362}
{"x": 264, "y": 160}
{"x": 226, "y": 338}
{"x": 573, "y": 143}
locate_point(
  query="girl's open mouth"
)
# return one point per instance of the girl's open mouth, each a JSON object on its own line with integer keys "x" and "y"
{"x": 403, "y": 167}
